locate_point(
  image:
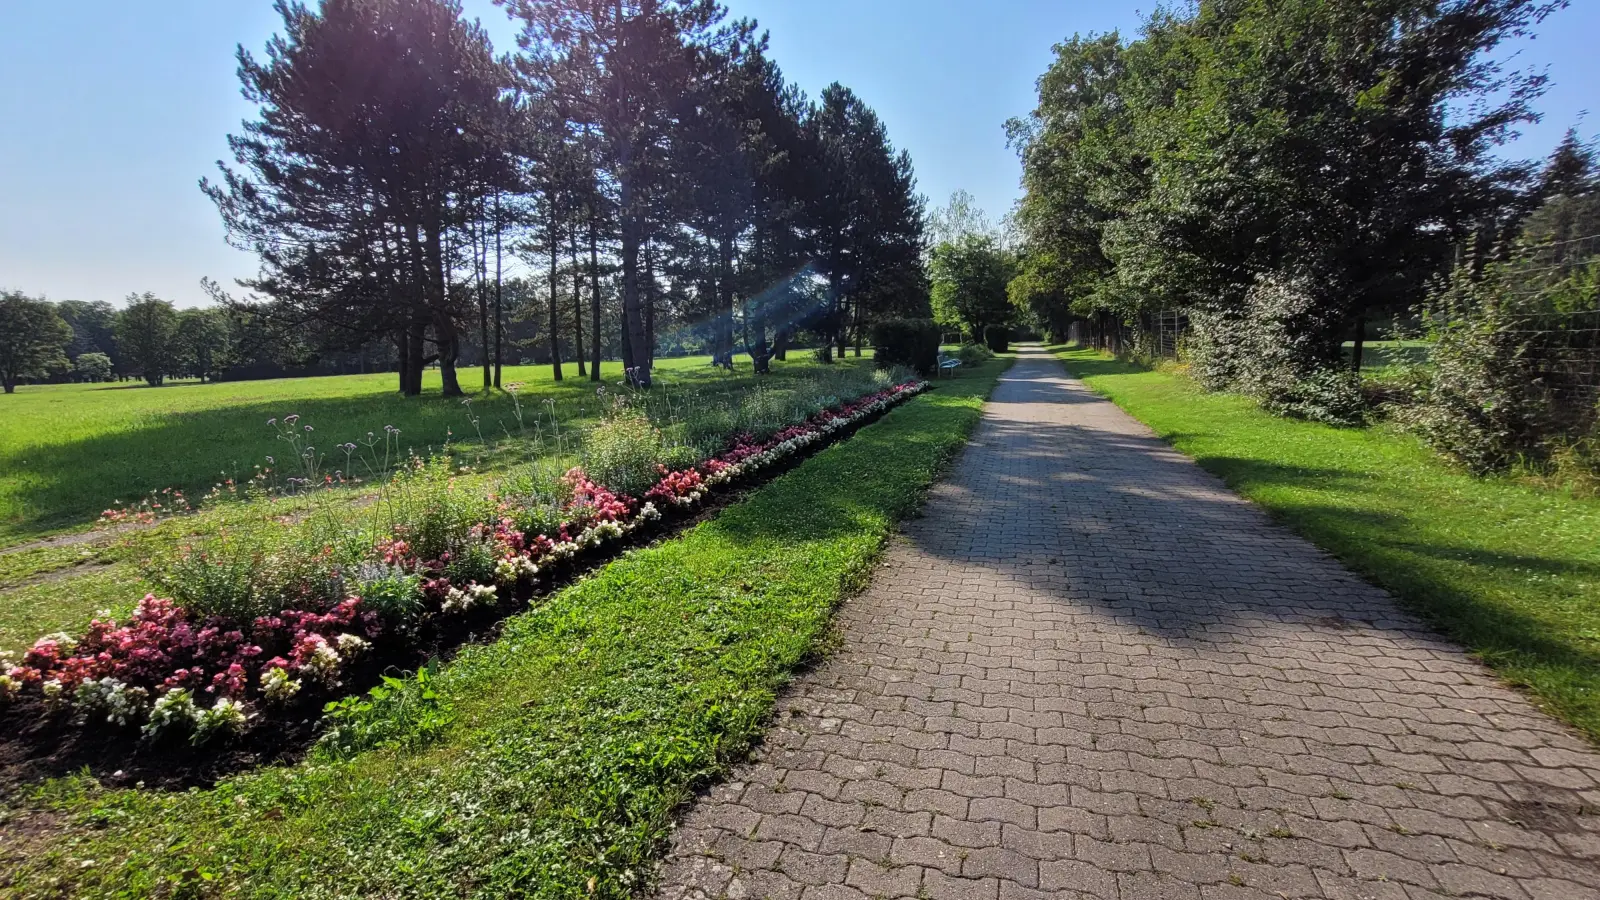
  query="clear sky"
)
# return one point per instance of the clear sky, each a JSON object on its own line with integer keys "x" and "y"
{"x": 111, "y": 111}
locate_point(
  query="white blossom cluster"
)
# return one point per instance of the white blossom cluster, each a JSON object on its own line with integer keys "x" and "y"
{"x": 278, "y": 686}
{"x": 459, "y": 600}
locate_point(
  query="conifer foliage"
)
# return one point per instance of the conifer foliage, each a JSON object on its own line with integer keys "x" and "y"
{"x": 646, "y": 158}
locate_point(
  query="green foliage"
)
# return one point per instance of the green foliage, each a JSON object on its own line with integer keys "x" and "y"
{"x": 400, "y": 713}
{"x": 145, "y": 338}
{"x": 32, "y": 338}
{"x": 580, "y": 730}
{"x": 92, "y": 367}
{"x": 623, "y": 450}
{"x": 392, "y": 593}
{"x": 1276, "y": 352}
{"x": 913, "y": 343}
{"x": 1507, "y": 380}
{"x": 1301, "y": 139}
{"x": 244, "y": 572}
{"x": 969, "y": 277}
{"x": 972, "y": 354}
{"x": 1504, "y": 567}
{"x": 997, "y": 338}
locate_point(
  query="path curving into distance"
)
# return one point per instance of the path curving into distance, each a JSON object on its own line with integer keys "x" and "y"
{"x": 1092, "y": 671}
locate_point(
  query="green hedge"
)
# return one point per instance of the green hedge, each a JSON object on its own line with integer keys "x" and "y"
{"x": 913, "y": 343}
{"x": 997, "y": 337}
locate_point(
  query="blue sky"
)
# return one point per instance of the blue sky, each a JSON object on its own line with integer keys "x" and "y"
{"x": 111, "y": 111}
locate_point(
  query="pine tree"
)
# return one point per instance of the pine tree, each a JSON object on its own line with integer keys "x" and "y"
{"x": 379, "y": 133}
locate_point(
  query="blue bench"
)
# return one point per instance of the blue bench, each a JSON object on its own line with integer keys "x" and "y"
{"x": 947, "y": 363}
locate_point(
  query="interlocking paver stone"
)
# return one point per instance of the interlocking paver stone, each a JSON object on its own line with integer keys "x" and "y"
{"x": 1090, "y": 670}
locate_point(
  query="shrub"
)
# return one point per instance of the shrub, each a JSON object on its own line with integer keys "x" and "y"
{"x": 997, "y": 337}
{"x": 1505, "y": 370}
{"x": 972, "y": 354}
{"x": 623, "y": 450}
{"x": 1282, "y": 350}
{"x": 913, "y": 343}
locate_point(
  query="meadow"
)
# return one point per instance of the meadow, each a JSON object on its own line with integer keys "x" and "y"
{"x": 68, "y": 452}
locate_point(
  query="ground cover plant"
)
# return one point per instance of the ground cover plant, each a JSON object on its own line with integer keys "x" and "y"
{"x": 549, "y": 762}
{"x": 255, "y": 622}
{"x": 70, "y": 451}
{"x": 1510, "y": 570}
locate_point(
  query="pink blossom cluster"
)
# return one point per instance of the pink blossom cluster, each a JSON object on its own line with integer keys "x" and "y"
{"x": 592, "y": 502}
{"x": 675, "y": 486}
{"x": 164, "y": 648}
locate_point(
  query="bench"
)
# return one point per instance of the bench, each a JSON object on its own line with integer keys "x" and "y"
{"x": 947, "y": 363}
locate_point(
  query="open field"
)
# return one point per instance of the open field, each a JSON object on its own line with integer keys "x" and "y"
{"x": 550, "y": 762}
{"x": 58, "y": 586}
{"x": 1509, "y": 570}
{"x": 67, "y": 452}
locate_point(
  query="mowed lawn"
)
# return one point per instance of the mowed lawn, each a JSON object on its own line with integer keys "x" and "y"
{"x": 1511, "y": 570}
{"x": 550, "y": 762}
{"x": 67, "y": 452}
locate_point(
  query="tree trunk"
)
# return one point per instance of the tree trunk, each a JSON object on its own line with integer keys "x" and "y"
{"x": 444, "y": 331}
{"x": 650, "y": 303}
{"x": 480, "y": 262}
{"x": 577, "y": 302}
{"x": 636, "y": 356}
{"x": 724, "y": 324}
{"x": 555, "y": 301}
{"x": 638, "y": 361}
{"x": 594, "y": 293}
{"x": 1360, "y": 342}
{"x": 499, "y": 306}
{"x": 413, "y": 363}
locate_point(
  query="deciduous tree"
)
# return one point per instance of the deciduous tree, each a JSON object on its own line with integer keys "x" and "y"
{"x": 33, "y": 339}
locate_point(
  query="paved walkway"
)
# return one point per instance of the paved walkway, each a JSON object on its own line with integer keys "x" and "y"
{"x": 1092, "y": 671}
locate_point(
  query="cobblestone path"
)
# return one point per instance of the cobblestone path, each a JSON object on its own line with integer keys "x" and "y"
{"x": 1090, "y": 670}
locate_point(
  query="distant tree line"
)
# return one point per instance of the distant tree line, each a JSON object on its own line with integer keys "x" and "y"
{"x": 1282, "y": 172}
{"x": 149, "y": 339}
{"x": 642, "y": 165}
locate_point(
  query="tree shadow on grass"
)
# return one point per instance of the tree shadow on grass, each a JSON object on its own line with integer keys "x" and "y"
{"x": 56, "y": 485}
{"x": 1113, "y": 520}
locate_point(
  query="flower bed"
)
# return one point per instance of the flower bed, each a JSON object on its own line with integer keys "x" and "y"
{"x": 169, "y": 672}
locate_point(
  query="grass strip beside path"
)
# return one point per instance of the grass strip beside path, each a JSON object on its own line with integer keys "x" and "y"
{"x": 1508, "y": 569}
{"x": 548, "y": 763}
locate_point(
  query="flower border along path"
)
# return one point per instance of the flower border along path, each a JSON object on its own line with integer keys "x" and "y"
{"x": 157, "y": 672}
{"x": 550, "y": 762}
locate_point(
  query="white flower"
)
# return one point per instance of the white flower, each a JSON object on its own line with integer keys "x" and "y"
{"x": 277, "y": 686}
{"x": 350, "y": 645}
{"x": 8, "y": 687}
{"x": 54, "y": 694}
{"x": 175, "y": 708}
{"x": 323, "y": 663}
{"x": 226, "y": 717}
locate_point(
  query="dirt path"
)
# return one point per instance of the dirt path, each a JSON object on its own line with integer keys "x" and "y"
{"x": 1093, "y": 671}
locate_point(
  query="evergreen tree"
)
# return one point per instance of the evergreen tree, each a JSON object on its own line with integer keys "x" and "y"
{"x": 380, "y": 129}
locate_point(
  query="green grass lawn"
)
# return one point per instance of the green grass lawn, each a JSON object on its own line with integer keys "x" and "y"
{"x": 69, "y": 451}
{"x": 548, "y": 763}
{"x": 1510, "y": 570}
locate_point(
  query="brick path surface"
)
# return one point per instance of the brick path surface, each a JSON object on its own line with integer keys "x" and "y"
{"x": 1090, "y": 670}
